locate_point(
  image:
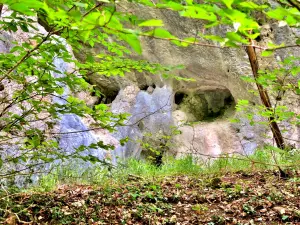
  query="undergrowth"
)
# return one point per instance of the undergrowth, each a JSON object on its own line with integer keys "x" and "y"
{"x": 230, "y": 189}
{"x": 133, "y": 169}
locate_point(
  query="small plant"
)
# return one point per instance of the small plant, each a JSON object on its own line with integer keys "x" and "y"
{"x": 216, "y": 183}
{"x": 199, "y": 208}
{"x": 249, "y": 209}
{"x": 284, "y": 217}
{"x": 178, "y": 186}
{"x": 57, "y": 213}
{"x": 134, "y": 196}
{"x": 232, "y": 193}
{"x": 153, "y": 208}
{"x": 275, "y": 197}
{"x": 238, "y": 188}
{"x": 154, "y": 187}
{"x": 219, "y": 220}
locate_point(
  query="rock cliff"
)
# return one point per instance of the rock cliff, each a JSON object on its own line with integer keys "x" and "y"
{"x": 200, "y": 110}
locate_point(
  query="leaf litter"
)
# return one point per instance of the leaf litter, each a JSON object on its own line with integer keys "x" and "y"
{"x": 234, "y": 198}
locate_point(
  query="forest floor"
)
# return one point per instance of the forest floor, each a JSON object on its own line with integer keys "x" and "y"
{"x": 259, "y": 197}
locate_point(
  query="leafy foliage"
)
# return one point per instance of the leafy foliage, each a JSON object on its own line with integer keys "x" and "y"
{"x": 281, "y": 83}
{"x": 29, "y": 69}
{"x": 242, "y": 24}
{"x": 142, "y": 193}
{"x": 31, "y": 80}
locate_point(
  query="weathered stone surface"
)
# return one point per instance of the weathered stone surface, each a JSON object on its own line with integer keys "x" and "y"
{"x": 207, "y": 139}
{"x": 205, "y": 105}
{"x": 150, "y": 113}
{"x": 70, "y": 130}
{"x": 213, "y": 69}
{"x": 151, "y": 100}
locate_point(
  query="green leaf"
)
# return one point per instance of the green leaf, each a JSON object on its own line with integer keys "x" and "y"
{"x": 295, "y": 71}
{"x": 252, "y": 5}
{"x": 231, "y": 44}
{"x": 228, "y": 3}
{"x": 133, "y": 41}
{"x": 291, "y": 20}
{"x": 12, "y": 26}
{"x": 86, "y": 34}
{"x": 235, "y": 120}
{"x": 174, "y": 6}
{"x": 79, "y": 4}
{"x": 101, "y": 107}
{"x": 212, "y": 24}
{"x": 198, "y": 12}
{"x": 91, "y": 20}
{"x": 252, "y": 36}
{"x": 267, "y": 53}
{"x": 25, "y": 6}
{"x": 275, "y": 149}
{"x": 115, "y": 23}
{"x": 186, "y": 42}
{"x": 105, "y": 17}
{"x": 146, "y": 2}
{"x": 278, "y": 13}
{"x": 189, "y": 2}
{"x": 235, "y": 37}
{"x": 214, "y": 38}
{"x": 234, "y": 15}
{"x": 124, "y": 141}
{"x": 285, "y": 217}
{"x": 274, "y": 46}
{"x": 152, "y": 23}
{"x": 160, "y": 33}
{"x": 22, "y": 8}
{"x": 24, "y": 27}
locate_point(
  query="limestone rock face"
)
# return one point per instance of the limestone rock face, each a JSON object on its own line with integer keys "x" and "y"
{"x": 199, "y": 110}
{"x": 212, "y": 95}
{"x": 151, "y": 113}
{"x": 209, "y": 100}
{"x": 203, "y": 105}
{"x": 207, "y": 140}
{"x": 70, "y": 130}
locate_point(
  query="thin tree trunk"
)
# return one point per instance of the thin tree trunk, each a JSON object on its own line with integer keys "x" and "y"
{"x": 265, "y": 97}
{"x": 1, "y": 7}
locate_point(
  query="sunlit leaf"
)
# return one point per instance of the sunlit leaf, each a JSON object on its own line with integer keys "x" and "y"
{"x": 267, "y": 53}
{"x": 152, "y": 23}
{"x": 228, "y": 3}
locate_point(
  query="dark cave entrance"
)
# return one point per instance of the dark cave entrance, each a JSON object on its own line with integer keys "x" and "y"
{"x": 205, "y": 105}
{"x": 148, "y": 88}
{"x": 179, "y": 96}
{"x": 105, "y": 98}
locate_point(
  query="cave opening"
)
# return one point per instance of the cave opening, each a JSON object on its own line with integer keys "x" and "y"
{"x": 258, "y": 38}
{"x": 108, "y": 98}
{"x": 145, "y": 87}
{"x": 178, "y": 98}
{"x": 205, "y": 105}
{"x": 105, "y": 98}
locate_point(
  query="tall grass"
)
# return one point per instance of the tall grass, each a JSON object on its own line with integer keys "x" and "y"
{"x": 131, "y": 169}
{"x": 263, "y": 159}
{"x": 145, "y": 170}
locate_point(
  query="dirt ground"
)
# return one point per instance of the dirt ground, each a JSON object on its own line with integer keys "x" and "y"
{"x": 234, "y": 198}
